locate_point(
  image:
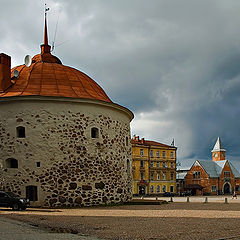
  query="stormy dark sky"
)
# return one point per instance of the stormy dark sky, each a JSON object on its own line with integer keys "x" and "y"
{"x": 174, "y": 63}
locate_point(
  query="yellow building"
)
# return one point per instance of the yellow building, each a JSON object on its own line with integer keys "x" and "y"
{"x": 154, "y": 167}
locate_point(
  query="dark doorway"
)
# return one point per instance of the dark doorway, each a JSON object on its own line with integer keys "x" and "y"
{"x": 31, "y": 193}
{"x": 141, "y": 190}
{"x": 226, "y": 189}
{"x": 194, "y": 192}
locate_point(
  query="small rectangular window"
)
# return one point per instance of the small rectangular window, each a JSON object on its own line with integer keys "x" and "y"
{"x": 151, "y": 188}
{"x": 151, "y": 176}
{"x": 227, "y": 174}
{"x": 158, "y": 164}
{"x": 151, "y": 153}
{"x": 94, "y": 133}
{"x": 141, "y": 152}
{"x": 214, "y": 188}
{"x": 151, "y": 164}
{"x": 164, "y": 176}
{"x": 172, "y": 155}
{"x": 21, "y": 132}
{"x": 164, "y": 154}
{"x": 126, "y": 141}
{"x": 142, "y": 175}
{"x": 38, "y": 164}
{"x": 196, "y": 175}
{"x": 141, "y": 163}
{"x": 158, "y": 155}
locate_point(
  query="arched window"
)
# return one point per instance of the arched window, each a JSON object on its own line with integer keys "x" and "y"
{"x": 11, "y": 163}
{"x": 21, "y": 132}
{"x": 94, "y": 133}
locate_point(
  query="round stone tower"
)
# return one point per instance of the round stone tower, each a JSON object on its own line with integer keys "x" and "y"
{"x": 63, "y": 142}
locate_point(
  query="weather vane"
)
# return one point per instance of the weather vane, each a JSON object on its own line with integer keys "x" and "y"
{"x": 46, "y": 9}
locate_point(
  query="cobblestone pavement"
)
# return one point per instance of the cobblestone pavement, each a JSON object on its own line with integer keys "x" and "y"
{"x": 16, "y": 230}
{"x": 177, "y": 220}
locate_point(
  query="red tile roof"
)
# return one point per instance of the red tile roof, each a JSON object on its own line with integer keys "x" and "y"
{"x": 48, "y": 77}
{"x": 150, "y": 143}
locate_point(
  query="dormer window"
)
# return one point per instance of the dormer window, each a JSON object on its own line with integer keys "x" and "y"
{"x": 94, "y": 133}
{"x": 21, "y": 132}
{"x": 11, "y": 163}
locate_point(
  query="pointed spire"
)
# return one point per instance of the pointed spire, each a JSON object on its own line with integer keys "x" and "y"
{"x": 45, "y": 48}
{"x": 218, "y": 146}
{"x": 45, "y": 30}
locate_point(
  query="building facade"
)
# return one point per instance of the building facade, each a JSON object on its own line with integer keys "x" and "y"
{"x": 63, "y": 142}
{"x": 218, "y": 176}
{"x": 153, "y": 166}
{"x": 180, "y": 181}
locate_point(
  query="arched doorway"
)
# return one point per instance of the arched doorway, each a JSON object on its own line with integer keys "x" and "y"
{"x": 227, "y": 188}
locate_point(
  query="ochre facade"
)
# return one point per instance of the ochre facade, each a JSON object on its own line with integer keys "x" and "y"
{"x": 154, "y": 167}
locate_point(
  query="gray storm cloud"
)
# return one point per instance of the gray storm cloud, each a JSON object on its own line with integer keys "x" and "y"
{"x": 175, "y": 64}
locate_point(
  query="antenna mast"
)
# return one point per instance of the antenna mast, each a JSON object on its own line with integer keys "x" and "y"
{"x": 53, "y": 43}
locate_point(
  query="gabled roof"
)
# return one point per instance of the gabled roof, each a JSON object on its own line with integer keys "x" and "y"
{"x": 210, "y": 167}
{"x": 181, "y": 176}
{"x": 214, "y": 169}
{"x": 234, "y": 170}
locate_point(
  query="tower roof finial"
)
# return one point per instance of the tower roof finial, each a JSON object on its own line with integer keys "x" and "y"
{"x": 45, "y": 27}
{"x": 45, "y": 48}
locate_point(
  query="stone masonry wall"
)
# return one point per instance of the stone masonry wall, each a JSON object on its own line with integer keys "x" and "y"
{"x": 75, "y": 169}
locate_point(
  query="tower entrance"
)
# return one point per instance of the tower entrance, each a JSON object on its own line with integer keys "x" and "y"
{"x": 32, "y": 193}
{"x": 227, "y": 188}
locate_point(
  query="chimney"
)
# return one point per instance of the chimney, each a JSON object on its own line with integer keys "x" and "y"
{"x": 5, "y": 72}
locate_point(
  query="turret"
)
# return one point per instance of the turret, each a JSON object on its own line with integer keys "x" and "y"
{"x": 218, "y": 153}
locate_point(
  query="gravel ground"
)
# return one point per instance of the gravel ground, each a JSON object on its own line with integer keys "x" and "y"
{"x": 177, "y": 220}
